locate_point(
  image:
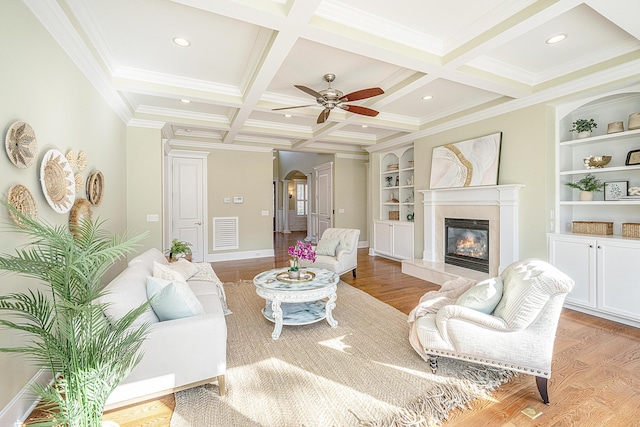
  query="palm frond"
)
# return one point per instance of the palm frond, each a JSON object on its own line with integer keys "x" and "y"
{"x": 68, "y": 332}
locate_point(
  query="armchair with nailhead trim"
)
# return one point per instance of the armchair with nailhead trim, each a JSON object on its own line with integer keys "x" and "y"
{"x": 518, "y": 334}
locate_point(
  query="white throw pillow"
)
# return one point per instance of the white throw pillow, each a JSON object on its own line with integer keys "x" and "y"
{"x": 172, "y": 299}
{"x": 483, "y": 296}
{"x": 181, "y": 270}
{"x": 327, "y": 246}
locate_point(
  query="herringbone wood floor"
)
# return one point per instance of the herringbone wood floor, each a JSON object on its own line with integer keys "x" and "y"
{"x": 596, "y": 369}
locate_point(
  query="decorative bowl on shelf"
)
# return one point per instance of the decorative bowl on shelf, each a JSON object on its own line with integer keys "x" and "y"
{"x": 596, "y": 161}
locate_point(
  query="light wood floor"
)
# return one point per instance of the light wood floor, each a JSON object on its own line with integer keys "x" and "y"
{"x": 596, "y": 368}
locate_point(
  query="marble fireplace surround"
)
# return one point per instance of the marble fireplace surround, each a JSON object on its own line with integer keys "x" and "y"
{"x": 496, "y": 203}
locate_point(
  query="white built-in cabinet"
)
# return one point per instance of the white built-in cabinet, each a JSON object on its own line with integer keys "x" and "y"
{"x": 604, "y": 268}
{"x": 393, "y": 227}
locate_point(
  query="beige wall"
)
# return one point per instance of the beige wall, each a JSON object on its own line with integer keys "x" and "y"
{"x": 526, "y": 158}
{"x": 350, "y": 192}
{"x": 249, "y": 175}
{"x": 40, "y": 85}
{"x": 144, "y": 185}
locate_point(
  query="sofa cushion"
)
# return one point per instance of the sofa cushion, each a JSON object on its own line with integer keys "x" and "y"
{"x": 483, "y": 296}
{"x": 181, "y": 271}
{"x": 126, "y": 292}
{"x": 149, "y": 256}
{"x": 327, "y": 246}
{"x": 172, "y": 299}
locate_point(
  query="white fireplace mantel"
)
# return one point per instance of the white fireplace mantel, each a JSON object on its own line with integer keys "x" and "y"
{"x": 505, "y": 197}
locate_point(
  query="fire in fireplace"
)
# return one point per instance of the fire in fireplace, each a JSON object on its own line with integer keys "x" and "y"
{"x": 467, "y": 243}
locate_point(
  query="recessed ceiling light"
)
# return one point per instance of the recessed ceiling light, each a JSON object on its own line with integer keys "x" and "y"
{"x": 186, "y": 101}
{"x": 427, "y": 97}
{"x": 182, "y": 42}
{"x": 287, "y": 115}
{"x": 187, "y": 130}
{"x": 556, "y": 39}
{"x": 365, "y": 126}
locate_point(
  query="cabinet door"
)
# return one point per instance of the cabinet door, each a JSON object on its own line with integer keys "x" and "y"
{"x": 618, "y": 278}
{"x": 575, "y": 256}
{"x": 382, "y": 237}
{"x": 403, "y": 241}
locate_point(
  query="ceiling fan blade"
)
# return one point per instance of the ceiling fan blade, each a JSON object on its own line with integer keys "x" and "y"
{"x": 324, "y": 115}
{"x": 289, "y": 108}
{"x": 357, "y": 109}
{"x": 309, "y": 91}
{"x": 362, "y": 94}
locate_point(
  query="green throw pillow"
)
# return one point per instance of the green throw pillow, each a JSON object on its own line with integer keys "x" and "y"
{"x": 327, "y": 246}
{"x": 172, "y": 299}
{"x": 483, "y": 296}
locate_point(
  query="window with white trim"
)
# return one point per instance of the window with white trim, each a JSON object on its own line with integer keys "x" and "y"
{"x": 302, "y": 197}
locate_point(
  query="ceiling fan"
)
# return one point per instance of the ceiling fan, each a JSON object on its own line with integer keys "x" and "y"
{"x": 330, "y": 98}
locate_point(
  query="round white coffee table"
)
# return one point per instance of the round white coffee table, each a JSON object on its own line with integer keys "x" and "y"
{"x": 297, "y": 302}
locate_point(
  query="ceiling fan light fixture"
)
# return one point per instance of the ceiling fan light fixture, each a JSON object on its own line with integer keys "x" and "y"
{"x": 556, "y": 39}
{"x": 181, "y": 41}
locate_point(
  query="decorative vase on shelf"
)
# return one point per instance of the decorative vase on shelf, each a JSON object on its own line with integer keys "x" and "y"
{"x": 586, "y": 196}
{"x": 584, "y": 134}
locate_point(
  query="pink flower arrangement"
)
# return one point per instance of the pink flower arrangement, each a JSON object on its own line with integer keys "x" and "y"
{"x": 301, "y": 250}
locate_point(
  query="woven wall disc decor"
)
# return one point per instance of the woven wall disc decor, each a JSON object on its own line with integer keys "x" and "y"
{"x": 82, "y": 161}
{"x": 95, "y": 188}
{"x": 58, "y": 183}
{"x": 81, "y": 210}
{"x": 21, "y": 144}
{"x": 21, "y": 198}
{"x": 79, "y": 178}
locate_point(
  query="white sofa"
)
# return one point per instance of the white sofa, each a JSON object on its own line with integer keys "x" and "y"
{"x": 178, "y": 354}
{"x": 345, "y": 257}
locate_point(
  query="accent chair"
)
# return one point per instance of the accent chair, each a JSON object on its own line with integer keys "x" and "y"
{"x": 509, "y": 321}
{"x": 337, "y": 250}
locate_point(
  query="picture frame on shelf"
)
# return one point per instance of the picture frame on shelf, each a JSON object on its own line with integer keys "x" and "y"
{"x": 614, "y": 190}
{"x": 633, "y": 158}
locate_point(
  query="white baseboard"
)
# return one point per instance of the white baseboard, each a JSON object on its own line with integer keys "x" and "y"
{"x": 23, "y": 403}
{"x": 233, "y": 256}
{"x": 363, "y": 244}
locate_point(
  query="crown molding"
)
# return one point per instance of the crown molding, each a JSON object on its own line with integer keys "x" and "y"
{"x": 219, "y": 146}
{"x": 221, "y": 121}
{"x": 142, "y": 123}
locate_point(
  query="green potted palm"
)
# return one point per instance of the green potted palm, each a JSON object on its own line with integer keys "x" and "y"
{"x": 583, "y": 127}
{"x": 587, "y": 186}
{"x": 179, "y": 249}
{"x": 67, "y": 333}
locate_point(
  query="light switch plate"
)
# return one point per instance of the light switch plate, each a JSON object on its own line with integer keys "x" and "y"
{"x": 152, "y": 218}
{"x": 227, "y": 199}
{"x": 237, "y": 199}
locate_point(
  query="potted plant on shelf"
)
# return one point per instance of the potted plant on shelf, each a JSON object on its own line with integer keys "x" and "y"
{"x": 583, "y": 127}
{"x": 179, "y": 249}
{"x": 66, "y": 332}
{"x": 587, "y": 186}
{"x": 300, "y": 250}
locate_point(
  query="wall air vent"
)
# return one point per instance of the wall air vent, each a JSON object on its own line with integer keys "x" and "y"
{"x": 225, "y": 233}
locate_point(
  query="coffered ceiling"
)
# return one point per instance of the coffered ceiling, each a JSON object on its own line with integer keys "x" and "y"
{"x": 474, "y": 58}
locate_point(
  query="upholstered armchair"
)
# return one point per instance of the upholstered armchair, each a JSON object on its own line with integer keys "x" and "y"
{"x": 462, "y": 320}
{"x": 337, "y": 250}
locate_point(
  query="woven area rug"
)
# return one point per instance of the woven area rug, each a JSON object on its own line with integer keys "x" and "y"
{"x": 362, "y": 373}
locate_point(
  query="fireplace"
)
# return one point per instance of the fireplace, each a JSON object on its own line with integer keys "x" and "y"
{"x": 467, "y": 243}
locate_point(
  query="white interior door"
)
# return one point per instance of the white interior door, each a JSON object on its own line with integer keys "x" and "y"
{"x": 188, "y": 213}
{"x": 324, "y": 197}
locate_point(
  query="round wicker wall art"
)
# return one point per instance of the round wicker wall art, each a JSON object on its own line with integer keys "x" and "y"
{"x": 81, "y": 210}
{"x": 58, "y": 183}
{"x": 95, "y": 188}
{"x": 21, "y": 198}
{"x": 21, "y": 144}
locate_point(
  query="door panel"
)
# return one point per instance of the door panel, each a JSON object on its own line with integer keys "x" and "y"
{"x": 188, "y": 204}
{"x": 324, "y": 198}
